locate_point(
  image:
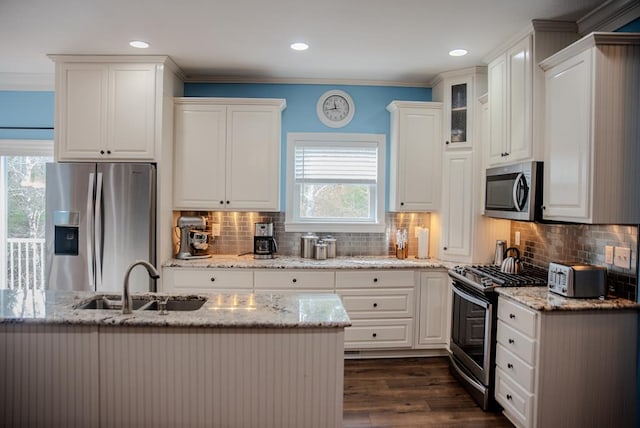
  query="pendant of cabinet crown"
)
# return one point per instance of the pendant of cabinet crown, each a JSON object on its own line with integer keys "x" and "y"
{"x": 109, "y": 108}
{"x": 415, "y": 158}
{"x": 591, "y": 172}
{"x": 516, "y": 91}
{"x": 227, "y": 154}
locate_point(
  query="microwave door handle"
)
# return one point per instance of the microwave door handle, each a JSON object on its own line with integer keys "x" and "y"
{"x": 517, "y": 186}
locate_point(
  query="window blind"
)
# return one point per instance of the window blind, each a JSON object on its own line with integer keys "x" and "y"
{"x": 331, "y": 164}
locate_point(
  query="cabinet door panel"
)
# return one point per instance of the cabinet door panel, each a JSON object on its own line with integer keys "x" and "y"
{"x": 132, "y": 101}
{"x": 568, "y": 149}
{"x": 81, "y": 111}
{"x": 199, "y": 174}
{"x": 497, "y": 109}
{"x": 434, "y": 310}
{"x": 253, "y": 158}
{"x": 457, "y": 201}
{"x": 519, "y": 102}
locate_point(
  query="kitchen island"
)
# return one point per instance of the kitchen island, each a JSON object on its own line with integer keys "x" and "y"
{"x": 240, "y": 360}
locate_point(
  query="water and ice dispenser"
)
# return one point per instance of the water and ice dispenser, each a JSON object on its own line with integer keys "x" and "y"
{"x": 66, "y": 224}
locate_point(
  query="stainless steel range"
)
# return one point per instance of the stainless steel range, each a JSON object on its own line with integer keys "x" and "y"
{"x": 473, "y": 324}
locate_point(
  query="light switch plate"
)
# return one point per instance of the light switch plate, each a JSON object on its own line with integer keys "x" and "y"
{"x": 215, "y": 229}
{"x": 517, "y": 238}
{"x": 608, "y": 254}
{"x": 622, "y": 257}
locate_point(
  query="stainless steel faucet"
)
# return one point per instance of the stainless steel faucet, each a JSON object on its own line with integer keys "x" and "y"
{"x": 126, "y": 296}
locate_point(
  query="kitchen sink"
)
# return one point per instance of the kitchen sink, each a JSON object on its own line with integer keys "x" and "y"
{"x": 114, "y": 302}
{"x": 110, "y": 302}
{"x": 192, "y": 304}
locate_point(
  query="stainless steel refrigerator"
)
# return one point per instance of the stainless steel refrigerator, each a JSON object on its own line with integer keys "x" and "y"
{"x": 100, "y": 218}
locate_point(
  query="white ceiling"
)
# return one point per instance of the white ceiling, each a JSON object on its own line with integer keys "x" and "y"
{"x": 375, "y": 40}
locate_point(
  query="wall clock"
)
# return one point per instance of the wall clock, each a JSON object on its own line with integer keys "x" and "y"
{"x": 335, "y": 108}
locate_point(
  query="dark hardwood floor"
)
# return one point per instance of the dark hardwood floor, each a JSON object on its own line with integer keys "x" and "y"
{"x": 409, "y": 393}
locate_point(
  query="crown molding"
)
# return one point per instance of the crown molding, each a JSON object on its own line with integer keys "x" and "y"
{"x": 301, "y": 81}
{"x": 609, "y": 16}
{"x": 27, "y": 81}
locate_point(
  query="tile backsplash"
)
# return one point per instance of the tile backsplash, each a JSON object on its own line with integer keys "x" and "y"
{"x": 236, "y": 234}
{"x": 543, "y": 243}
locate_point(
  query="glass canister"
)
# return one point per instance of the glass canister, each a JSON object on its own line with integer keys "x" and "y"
{"x": 307, "y": 245}
{"x": 331, "y": 246}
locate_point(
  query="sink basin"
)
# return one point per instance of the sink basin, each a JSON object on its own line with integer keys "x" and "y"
{"x": 109, "y": 302}
{"x": 191, "y": 304}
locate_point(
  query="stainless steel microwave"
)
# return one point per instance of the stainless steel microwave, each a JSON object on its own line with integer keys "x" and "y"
{"x": 514, "y": 191}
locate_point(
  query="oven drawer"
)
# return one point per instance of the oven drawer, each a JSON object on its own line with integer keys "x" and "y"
{"x": 379, "y": 334}
{"x": 516, "y": 342}
{"x": 521, "y": 372}
{"x": 394, "y": 303}
{"x": 517, "y": 403}
{"x": 517, "y": 316}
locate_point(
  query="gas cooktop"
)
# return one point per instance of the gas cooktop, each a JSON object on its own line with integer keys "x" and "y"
{"x": 490, "y": 276}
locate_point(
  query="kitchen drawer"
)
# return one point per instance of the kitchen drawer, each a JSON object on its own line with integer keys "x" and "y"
{"x": 209, "y": 279}
{"x": 516, "y": 342}
{"x": 374, "y": 278}
{"x": 391, "y": 303}
{"x": 364, "y": 334}
{"x": 517, "y": 316}
{"x": 517, "y": 403}
{"x": 519, "y": 371}
{"x": 294, "y": 279}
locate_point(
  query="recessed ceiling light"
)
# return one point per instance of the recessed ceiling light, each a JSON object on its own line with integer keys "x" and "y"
{"x": 458, "y": 52}
{"x": 138, "y": 44}
{"x": 299, "y": 46}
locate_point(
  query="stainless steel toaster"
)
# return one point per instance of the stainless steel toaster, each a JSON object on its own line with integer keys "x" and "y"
{"x": 577, "y": 280}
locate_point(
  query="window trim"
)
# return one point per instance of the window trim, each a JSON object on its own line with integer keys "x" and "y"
{"x": 332, "y": 137}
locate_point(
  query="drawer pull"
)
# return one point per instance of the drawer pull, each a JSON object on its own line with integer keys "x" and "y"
{"x": 509, "y": 397}
{"x": 511, "y": 341}
{"x": 509, "y": 365}
{"x": 213, "y": 279}
{"x": 375, "y": 305}
{"x": 294, "y": 280}
{"x": 512, "y": 316}
{"x": 374, "y": 334}
{"x": 375, "y": 279}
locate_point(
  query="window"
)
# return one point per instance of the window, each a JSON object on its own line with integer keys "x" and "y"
{"x": 22, "y": 209}
{"x": 335, "y": 182}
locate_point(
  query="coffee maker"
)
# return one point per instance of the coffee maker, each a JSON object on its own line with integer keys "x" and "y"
{"x": 264, "y": 244}
{"x": 192, "y": 238}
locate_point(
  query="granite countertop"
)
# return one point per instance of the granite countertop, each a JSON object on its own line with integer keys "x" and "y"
{"x": 540, "y": 299}
{"x": 293, "y": 262}
{"x": 220, "y": 310}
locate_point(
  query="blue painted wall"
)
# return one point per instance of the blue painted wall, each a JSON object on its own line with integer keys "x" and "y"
{"x": 631, "y": 27}
{"x": 300, "y": 115}
{"x": 26, "y": 109}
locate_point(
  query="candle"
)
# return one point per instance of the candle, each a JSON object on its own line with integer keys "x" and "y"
{"x": 423, "y": 243}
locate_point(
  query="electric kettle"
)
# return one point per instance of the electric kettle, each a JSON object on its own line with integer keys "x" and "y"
{"x": 511, "y": 264}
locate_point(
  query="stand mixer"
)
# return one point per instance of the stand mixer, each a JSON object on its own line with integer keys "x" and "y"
{"x": 191, "y": 237}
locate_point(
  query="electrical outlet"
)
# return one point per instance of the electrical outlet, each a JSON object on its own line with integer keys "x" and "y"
{"x": 622, "y": 257}
{"x": 517, "y": 238}
{"x": 215, "y": 229}
{"x": 608, "y": 254}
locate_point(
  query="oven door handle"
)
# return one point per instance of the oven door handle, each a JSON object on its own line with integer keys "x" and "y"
{"x": 469, "y": 297}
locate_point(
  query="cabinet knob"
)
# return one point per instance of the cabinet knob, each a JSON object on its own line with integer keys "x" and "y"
{"x": 101, "y": 152}
{"x": 512, "y": 316}
{"x": 375, "y": 279}
{"x": 511, "y": 341}
{"x": 375, "y": 305}
{"x": 509, "y": 397}
{"x": 401, "y": 204}
{"x": 108, "y": 152}
{"x": 227, "y": 202}
{"x": 509, "y": 365}
{"x": 213, "y": 279}
{"x": 544, "y": 208}
{"x": 294, "y": 280}
{"x": 444, "y": 248}
{"x": 374, "y": 335}
{"x": 221, "y": 202}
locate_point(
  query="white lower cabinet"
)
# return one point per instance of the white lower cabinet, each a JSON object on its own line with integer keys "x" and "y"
{"x": 294, "y": 280}
{"x": 434, "y": 310}
{"x": 545, "y": 362}
{"x": 381, "y": 307}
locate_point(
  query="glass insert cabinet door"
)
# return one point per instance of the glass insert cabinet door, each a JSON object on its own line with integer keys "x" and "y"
{"x": 458, "y": 113}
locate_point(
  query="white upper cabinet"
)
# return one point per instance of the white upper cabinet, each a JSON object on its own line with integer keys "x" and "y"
{"x": 415, "y": 172}
{"x": 516, "y": 92}
{"x": 227, "y": 154}
{"x": 457, "y": 205}
{"x": 592, "y": 150}
{"x": 107, "y": 111}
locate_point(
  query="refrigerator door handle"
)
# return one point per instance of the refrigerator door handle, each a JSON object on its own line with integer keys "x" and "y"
{"x": 90, "y": 214}
{"x": 98, "y": 232}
